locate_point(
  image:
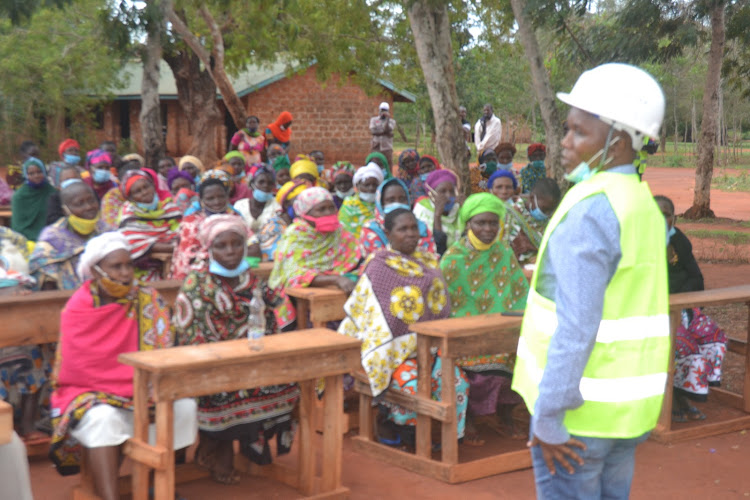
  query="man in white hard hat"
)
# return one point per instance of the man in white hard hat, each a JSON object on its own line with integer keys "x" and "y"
{"x": 594, "y": 346}
{"x": 381, "y": 128}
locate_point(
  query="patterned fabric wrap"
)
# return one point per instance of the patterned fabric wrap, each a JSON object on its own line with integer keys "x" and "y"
{"x": 518, "y": 219}
{"x": 424, "y": 211}
{"x": 530, "y": 174}
{"x": 307, "y": 199}
{"x": 251, "y": 145}
{"x": 354, "y": 213}
{"x": 408, "y": 175}
{"x": 700, "y": 350}
{"x": 112, "y": 203}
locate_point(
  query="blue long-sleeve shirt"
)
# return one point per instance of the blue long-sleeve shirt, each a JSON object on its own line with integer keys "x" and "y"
{"x": 581, "y": 257}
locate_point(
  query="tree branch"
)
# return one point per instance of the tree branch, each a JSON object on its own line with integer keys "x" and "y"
{"x": 190, "y": 39}
{"x": 216, "y": 35}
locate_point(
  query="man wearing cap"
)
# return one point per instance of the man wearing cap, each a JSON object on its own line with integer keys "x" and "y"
{"x": 594, "y": 346}
{"x": 381, "y": 128}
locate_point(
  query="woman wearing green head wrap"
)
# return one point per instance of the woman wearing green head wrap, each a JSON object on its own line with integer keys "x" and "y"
{"x": 379, "y": 159}
{"x": 29, "y": 203}
{"x": 279, "y": 161}
{"x": 483, "y": 276}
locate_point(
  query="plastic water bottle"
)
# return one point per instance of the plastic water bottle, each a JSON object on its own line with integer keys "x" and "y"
{"x": 256, "y": 321}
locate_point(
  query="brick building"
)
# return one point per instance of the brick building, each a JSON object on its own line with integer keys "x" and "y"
{"x": 329, "y": 116}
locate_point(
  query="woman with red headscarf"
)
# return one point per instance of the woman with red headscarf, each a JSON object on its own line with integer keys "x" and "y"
{"x": 280, "y": 131}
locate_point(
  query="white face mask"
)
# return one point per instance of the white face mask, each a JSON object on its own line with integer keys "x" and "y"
{"x": 367, "y": 197}
{"x": 344, "y": 194}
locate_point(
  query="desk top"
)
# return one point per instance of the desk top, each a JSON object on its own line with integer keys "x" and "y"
{"x": 314, "y": 292}
{"x": 467, "y": 326}
{"x": 716, "y": 297}
{"x": 263, "y": 271}
{"x": 223, "y": 353}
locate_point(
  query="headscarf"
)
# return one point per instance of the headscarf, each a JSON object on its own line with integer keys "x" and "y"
{"x": 343, "y": 168}
{"x": 437, "y": 177}
{"x": 310, "y": 197}
{"x": 408, "y": 153}
{"x": 35, "y": 162}
{"x": 380, "y": 156}
{"x": 219, "y": 175}
{"x": 99, "y": 156}
{"x": 275, "y": 127}
{"x": 190, "y": 159}
{"x": 505, "y": 146}
{"x": 134, "y": 157}
{"x": 502, "y": 173}
{"x": 97, "y": 249}
{"x": 67, "y": 143}
{"x": 480, "y": 203}
{"x": 264, "y": 169}
{"x": 432, "y": 159}
{"x": 369, "y": 171}
{"x": 130, "y": 178}
{"x": 214, "y": 225}
{"x": 175, "y": 173}
{"x": 282, "y": 162}
{"x": 234, "y": 154}
{"x": 290, "y": 191}
{"x": 537, "y": 146}
{"x": 29, "y": 203}
{"x": 304, "y": 166}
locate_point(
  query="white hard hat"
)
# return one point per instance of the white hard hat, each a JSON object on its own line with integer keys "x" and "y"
{"x": 384, "y": 106}
{"x": 622, "y": 95}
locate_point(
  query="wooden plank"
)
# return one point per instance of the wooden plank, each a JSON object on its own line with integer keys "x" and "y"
{"x": 164, "y": 479}
{"x": 737, "y": 346}
{"x": 449, "y": 443}
{"x": 6, "y": 422}
{"x": 273, "y": 471}
{"x": 420, "y": 465}
{"x": 716, "y": 297}
{"x": 340, "y": 493}
{"x": 140, "y": 432}
{"x": 263, "y": 271}
{"x": 468, "y": 326}
{"x": 144, "y": 453}
{"x": 724, "y": 397}
{"x": 330, "y": 309}
{"x": 424, "y": 391}
{"x": 489, "y": 466}
{"x": 314, "y": 292}
{"x": 332, "y": 432}
{"x": 494, "y": 342}
{"x": 305, "y": 456}
{"x": 426, "y": 406}
{"x": 704, "y": 430}
{"x": 664, "y": 424}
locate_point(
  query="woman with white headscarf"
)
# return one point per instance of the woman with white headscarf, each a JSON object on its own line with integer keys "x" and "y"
{"x": 360, "y": 208}
{"x": 108, "y": 315}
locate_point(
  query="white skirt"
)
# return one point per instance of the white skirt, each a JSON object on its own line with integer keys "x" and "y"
{"x": 105, "y": 425}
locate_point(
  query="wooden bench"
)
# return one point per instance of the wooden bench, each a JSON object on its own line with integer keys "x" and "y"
{"x": 188, "y": 371}
{"x": 736, "y": 414}
{"x": 456, "y": 338}
{"x": 318, "y": 305}
{"x": 5, "y": 215}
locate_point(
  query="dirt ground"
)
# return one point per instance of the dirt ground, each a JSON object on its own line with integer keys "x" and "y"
{"x": 714, "y": 467}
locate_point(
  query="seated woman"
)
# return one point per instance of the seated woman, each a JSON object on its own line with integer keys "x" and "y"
{"x": 193, "y": 166}
{"x": 149, "y": 224}
{"x": 360, "y": 208}
{"x": 701, "y": 345}
{"x": 249, "y": 141}
{"x": 442, "y": 187}
{"x": 535, "y": 169}
{"x": 234, "y": 165}
{"x": 213, "y": 305}
{"x": 182, "y": 187}
{"x": 427, "y": 165}
{"x": 29, "y": 203}
{"x": 487, "y": 167}
{"x": 304, "y": 169}
{"x": 400, "y": 286}
{"x": 114, "y": 199}
{"x": 483, "y": 277}
{"x": 101, "y": 178}
{"x": 272, "y": 231}
{"x": 62, "y": 178}
{"x": 279, "y": 161}
{"x": 527, "y": 219}
{"x": 214, "y": 199}
{"x": 261, "y": 205}
{"x": 342, "y": 179}
{"x": 93, "y": 397}
{"x": 381, "y": 161}
{"x": 314, "y": 251}
{"x": 408, "y": 165}
{"x": 391, "y": 194}
{"x": 505, "y": 152}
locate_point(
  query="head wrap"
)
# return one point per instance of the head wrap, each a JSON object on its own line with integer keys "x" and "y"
{"x": 69, "y": 182}
{"x": 502, "y": 173}
{"x": 33, "y": 161}
{"x": 386, "y": 165}
{"x": 190, "y": 159}
{"x": 381, "y": 189}
{"x": 537, "y": 146}
{"x": 97, "y": 249}
{"x": 290, "y": 191}
{"x": 310, "y": 197}
{"x": 480, "y": 203}
{"x": 134, "y": 157}
{"x": 264, "y": 169}
{"x": 304, "y": 167}
{"x": 214, "y": 225}
{"x": 505, "y": 146}
{"x": 432, "y": 159}
{"x": 175, "y": 173}
{"x": 438, "y": 177}
{"x": 275, "y": 127}
{"x": 219, "y": 175}
{"x": 282, "y": 162}
{"x": 408, "y": 153}
{"x": 130, "y": 178}
{"x": 99, "y": 156}
{"x": 234, "y": 154}
{"x": 369, "y": 171}
{"x": 343, "y": 168}
{"x": 67, "y": 143}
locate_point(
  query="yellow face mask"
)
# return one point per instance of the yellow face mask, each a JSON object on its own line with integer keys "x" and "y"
{"x": 477, "y": 243}
{"x": 113, "y": 288}
{"x": 82, "y": 226}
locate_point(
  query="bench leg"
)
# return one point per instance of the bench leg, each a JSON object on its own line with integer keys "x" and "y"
{"x": 664, "y": 424}
{"x": 332, "y": 432}
{"x": 424, "y": 389}
{"x": 164, "y": 479}
{"x": 305, "y": 457}
{"x": 746, "y": 386}
{"x": 303, "y": 314}
{"x": 449, "y": 433}
{"x": 365, "y": 417}
{"x": 140, "y": 477}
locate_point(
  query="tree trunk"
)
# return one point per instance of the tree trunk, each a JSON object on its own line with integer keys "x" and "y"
{"x": 196, "y": 93}
{"x": 432, "y": 38}
{"x": 214, "y": 61}
{"x": 152, "y": 132}
{"x": 702, "y": 196}
{"x": 543, "y": 90}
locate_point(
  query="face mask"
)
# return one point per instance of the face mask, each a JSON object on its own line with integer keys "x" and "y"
{"x": 344, "y": 194}
{"x": 100, "y": 176}
{"x": 262, "y": 196}
{"x": 71, "y": 159}
{"x": 252, "y": 130}
{"x": 36, "y": 185}
{"x": 215, "y": 268}
{"x": 393, "y": 206}
{"x": 584, "y": 171}
{"x": 423, "y": 177}
{"x": 290, "y": 212}
{"x": 321, "y": 167}
{"x": 82, "y": 226}
{"x": 488, "y": 168}
{"x": 239, "y": 176}
{"x": 537, "y": 213}
{"x": 538, "y": 164}
{"x": 367, "y": 197}
{"x": 477, "y": 243}
{"x": 670, "y": 232}
{"x": 197, "y": 180}
{"x": 449, "y": 205}
{"x": 505, "y": 166}
{"x": 149, "y": 206}
{"x": 325, "y": 224}
{"x": 111, "y": 287}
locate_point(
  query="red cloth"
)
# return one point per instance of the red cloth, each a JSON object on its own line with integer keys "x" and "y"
{"x": 163, "y": 194}
{"x": 282, "y": 135}
{"x": 67, "y": 143}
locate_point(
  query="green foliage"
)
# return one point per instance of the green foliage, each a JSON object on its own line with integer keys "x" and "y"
{"x": 729, "y": 182}
{"x": 731, "y": 237}
{"x": 19, "y": 11}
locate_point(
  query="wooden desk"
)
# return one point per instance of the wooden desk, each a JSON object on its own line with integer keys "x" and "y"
{"x": 188, "y": 371}
{"x": 263, "y": 271}
{"x": 318, "y": 305}
{"x": 5, "y": 215}
{"x": 455, "y": 337}
{"x": 738, "y": 416}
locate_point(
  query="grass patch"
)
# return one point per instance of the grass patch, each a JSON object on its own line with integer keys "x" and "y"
{"x": 732, "y": 182}
{"x": 731, "y": 237}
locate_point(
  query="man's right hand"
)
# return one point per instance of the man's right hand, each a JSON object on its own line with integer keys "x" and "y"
{"x": 560, "y": 453}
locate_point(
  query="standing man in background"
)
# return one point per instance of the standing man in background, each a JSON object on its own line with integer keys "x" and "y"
{"x": 594, "y": 347}
{"x": 488, "y": 131}
{"x": 381, "y": 128}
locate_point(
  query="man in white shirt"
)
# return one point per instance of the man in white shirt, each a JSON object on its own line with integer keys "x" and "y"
{"x": 488, "y": 130}
{"x": 381, "y": 128}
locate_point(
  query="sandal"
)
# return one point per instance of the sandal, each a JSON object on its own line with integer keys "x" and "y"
{"x": 694, "y": 413}
{"x": 472, "y": 440}
{"x": 229, "y": 478}
{"x": 679, "y": 416}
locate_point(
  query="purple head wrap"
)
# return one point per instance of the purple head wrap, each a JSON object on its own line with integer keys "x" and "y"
{"x": 438, "y": 177}
{"x": 175, "y": 173}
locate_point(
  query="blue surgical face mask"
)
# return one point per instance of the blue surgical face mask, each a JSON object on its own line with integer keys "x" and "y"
{"x": 505, "y": 166}
{"x": 71, "y": 159}
{"x": 449, "y": 205}
{"x": 262, "y": 196}
{"x": 215, "y": 268}
{"x": 149, "y": 206}
{"x": 100, "y": 176}
{"x": 423, "y": 177}
{"x": 197, "y": 180}
{"x": 537, "y": 164}
{"x": 579, "y": 174}
{"x": 670, "y": 232}
{"x": 393, "y": 206}
{"x": 537, "y": 213}
{"x": 321, "y": 167}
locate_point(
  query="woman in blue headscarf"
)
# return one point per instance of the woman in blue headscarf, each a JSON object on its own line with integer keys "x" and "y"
{"x": 29, "y": 203}
{"x": 391, "y": 194}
